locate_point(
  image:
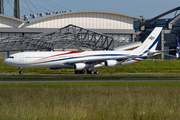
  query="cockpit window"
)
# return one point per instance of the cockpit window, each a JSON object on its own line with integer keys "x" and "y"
{"x": 10, "y": 57}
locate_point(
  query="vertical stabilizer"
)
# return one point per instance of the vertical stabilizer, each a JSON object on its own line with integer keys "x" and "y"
{"x": 177, "y": 48}
{"x": 149, "y": 45}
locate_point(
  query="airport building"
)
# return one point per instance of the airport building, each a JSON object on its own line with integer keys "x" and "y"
{"x": 171, "y": 30}
{"x": 107, "y": 22}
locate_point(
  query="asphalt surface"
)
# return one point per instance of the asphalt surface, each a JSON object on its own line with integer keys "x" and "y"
{"x": 16, "y": 79}
{"x": 99, "y": 80}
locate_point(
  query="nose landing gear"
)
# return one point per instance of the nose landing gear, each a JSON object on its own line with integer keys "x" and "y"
{"x": 20, "y": 70}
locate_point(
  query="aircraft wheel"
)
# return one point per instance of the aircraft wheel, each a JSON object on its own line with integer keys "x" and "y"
{"x": 96, "y": 72}
{"x": 91, "y": 72}
{"x": 82, "y": 71}
{"x": 76, "y": 72}
{"x": 20, "y": 72}
{"x": 88, "y": 71}
{"x": 79, "y": 71}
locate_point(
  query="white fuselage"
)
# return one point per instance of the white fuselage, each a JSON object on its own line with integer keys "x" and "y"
{"x": 62, "y": 59}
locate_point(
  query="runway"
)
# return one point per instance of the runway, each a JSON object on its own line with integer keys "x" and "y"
{"x": 103, "y": 77}
{"x": 85, "y": 80}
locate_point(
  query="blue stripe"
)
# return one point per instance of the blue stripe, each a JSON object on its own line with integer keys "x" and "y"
{"x": 177, "y": 46}
{"x": 157, "y": 39}
{"x": 85, "y": 56}
{"x": 144, "y": 57}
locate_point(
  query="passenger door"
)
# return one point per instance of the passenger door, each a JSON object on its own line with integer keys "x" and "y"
{"x": 21, "y": 57}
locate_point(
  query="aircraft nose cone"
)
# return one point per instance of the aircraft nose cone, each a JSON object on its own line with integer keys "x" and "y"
{"x": 5, "y": 61}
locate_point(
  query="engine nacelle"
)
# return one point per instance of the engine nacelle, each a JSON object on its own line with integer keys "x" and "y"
{"x": 177, "y": 55}
{"x": 80, "y": 66}
{"x": 112, "y": 63}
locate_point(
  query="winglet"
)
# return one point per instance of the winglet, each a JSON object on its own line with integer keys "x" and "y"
{"x": 177, "y": 48}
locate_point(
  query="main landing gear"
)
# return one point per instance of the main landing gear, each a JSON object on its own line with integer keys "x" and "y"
{"x": 88, "y": 71}
{"x": 20, "y": 70}
{"x": 92, "y": 71}
{"x": 79, "y": 72}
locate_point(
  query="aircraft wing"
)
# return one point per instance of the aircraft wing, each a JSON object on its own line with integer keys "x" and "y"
{"x": 177, "y": 50}
{"x": 174, "y": 56}
{"x": 97, "y": 61}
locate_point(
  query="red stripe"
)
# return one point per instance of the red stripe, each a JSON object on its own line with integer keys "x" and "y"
{"x": 71, "y": 52}
{"x": 135, "y": 59}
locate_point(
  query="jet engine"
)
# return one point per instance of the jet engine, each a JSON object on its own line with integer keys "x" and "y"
{"x": 177, "y": 55}
{"x": 112, "y": 63}
{"x": 80, "y": 66}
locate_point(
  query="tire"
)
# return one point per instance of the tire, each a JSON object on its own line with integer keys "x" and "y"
{"x": 88, "y": 71}
{"x": 77, "y": 72}
{"x": 82, "y": 72}
{"x": 92, "y": 72}
{"x": 96, "y": 72}
{"x": 20, "y": 72}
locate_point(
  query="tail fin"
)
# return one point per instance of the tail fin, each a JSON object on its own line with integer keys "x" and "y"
{"x": 177, "y": 48}
{"x": 149, "y": 45}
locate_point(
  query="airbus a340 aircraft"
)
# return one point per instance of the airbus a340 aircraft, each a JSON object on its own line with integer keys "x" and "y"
{"x": 81, "y": 60}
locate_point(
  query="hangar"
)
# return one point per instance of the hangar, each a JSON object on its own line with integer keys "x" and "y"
{"x": 94, "y": 23}
{"x": 100, "y": 21}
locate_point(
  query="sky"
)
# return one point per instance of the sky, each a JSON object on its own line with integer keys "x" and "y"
{"x": 146, "y": 8}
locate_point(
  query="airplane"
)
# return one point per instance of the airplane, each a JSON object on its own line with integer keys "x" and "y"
{"x": 177, "y": 50}
{"x": 85, "y": 60}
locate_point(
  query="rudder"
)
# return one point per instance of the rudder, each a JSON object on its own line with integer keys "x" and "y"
{"x": 149, "y": 45}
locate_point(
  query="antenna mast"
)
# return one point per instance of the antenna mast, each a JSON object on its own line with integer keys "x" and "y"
{"x": 1, "y": 7}
{"x": 16, "y": 9}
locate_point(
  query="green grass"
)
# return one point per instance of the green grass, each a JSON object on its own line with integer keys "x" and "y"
{"x": 146, "y": 66}
{"x": 89, "y": 84}
{"x": 93, "y": 100}
{"x": 90, "y": 100}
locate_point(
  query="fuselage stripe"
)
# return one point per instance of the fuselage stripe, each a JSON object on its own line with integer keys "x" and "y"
{"x": 75, "y": 57}
{"x": 71, "y": 52}
{"x": 157, "y": 39}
